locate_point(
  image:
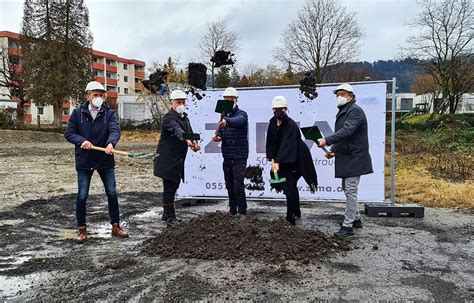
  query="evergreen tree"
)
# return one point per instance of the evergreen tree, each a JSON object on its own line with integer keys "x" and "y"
{"x": 56, "y": 48}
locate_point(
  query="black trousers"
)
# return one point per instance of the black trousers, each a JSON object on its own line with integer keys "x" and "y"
{"x": 290, "y": 188}
{"x": 169, "y": 191}
{"x": 234, "y": 171}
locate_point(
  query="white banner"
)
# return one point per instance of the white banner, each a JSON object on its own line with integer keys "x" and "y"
{"x": 204, "y": 176}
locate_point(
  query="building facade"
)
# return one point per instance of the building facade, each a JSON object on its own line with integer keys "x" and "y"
{"x": 120, "y": 76}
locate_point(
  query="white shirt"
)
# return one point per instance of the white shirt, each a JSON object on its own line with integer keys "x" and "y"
{"x": 93, "y": 111}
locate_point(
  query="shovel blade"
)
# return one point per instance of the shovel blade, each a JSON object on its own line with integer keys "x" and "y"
{"x": 140, "y": 155}
{"x": 277, "y": 181}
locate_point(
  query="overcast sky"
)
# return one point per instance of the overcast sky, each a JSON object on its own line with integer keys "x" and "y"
{"x": 153, "y": 30}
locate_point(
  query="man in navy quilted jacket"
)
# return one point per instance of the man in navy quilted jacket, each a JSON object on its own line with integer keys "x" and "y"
{"x": 233, "y": 132}
{"x": 95, "y": 123}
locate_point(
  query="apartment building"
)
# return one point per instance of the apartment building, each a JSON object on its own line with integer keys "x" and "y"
{"x": 120, "y": 76}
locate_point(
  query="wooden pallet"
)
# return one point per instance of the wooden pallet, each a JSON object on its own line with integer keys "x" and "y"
{"x": 399, "y": 210}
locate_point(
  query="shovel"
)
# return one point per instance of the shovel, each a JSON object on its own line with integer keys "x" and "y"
{"x": 223, "y": 107}
{"x": 123, "y": 153}
{"x": 313, "y": 133}
{"x": 277, "y": 179}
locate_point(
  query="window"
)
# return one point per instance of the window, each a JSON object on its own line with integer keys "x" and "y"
{"x": 125, "y": 79}
{"x": 470, "y": 104}
{"x": 39, "y": 110}
{"x": 98, "y": 73}
{"x": 125, "y": 66}
{"x": 118, "y": 90}
{"x": 125, "y": 90}
{"x": 111, "y": 75}
{"x": 406, "y": 103}
{"x": 66, "y": 112}
{"x": 12, "y": 43}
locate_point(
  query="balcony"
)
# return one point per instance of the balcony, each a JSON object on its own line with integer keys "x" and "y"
{"x": 15, "y": 51}
{"x": 139, "y": 74}
{"x": 15, "y": 68}
{"x": 139, "y": 85}
{"x": 111, "y": 81}
{"x": 28, "y": 118}
{"x": 111, "y": 69}
{"x": 112, "y": 94}
{"x": 66, "y": 105}
{"x": 100, "y": 79}
{"x": 65, "y": 118}
{"x": 97, "y": 66}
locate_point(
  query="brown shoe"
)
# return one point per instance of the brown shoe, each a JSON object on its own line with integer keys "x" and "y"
{"x": 117, "y": 231}
{"x": 82, "y": 235}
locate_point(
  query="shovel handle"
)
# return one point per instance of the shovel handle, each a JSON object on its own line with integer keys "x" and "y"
{"x": 327, "y": 151}
{"x": 117, "y": 152}
{"x": 218, "y": 128}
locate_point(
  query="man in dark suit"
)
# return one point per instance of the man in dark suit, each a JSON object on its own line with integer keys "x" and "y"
{"x": 171, "y": 152}
{"x": 350, "y": 146}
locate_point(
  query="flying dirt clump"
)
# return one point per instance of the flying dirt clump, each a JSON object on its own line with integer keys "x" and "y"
{"x": 216, "y": 236}
{"x": 308, "y": 86}
{"x": 156, "y": 82}
{"x": 197, "y": 76}
{"x": 222, "y": 57}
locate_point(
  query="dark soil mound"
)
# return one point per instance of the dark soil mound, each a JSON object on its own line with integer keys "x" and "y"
{"x": 216, "y": 236}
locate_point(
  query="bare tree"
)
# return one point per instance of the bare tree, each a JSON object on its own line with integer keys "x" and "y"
{"x": 12, "y": 84}
{"x": 446, "y": 33}
{"x": 323, "y": 35}
{"x": 217, "y": 37}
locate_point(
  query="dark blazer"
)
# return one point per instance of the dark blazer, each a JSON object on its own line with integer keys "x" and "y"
{"x": 350, "y": 142}
{"x": 103, "y": 130}
{"x": 285, "y": 146}
{"x": 172, "y": 147}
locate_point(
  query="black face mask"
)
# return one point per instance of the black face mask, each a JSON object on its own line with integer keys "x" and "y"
{"x": 279, "y": 114}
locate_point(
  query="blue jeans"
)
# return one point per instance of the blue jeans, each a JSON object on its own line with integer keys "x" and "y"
{"x": 234, "y": 171}
{"x": 84, "y": 181}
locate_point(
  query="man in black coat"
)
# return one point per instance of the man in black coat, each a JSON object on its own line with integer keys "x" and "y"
{"x": 234, "y": 133}
{"x": 291, "y": 156}
{"x": 171, "y": 152}
{"x": 350, "y": 146}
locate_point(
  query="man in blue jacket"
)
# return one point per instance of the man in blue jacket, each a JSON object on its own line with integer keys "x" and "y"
{"x": 95, "y": 124}
{"x": 350, "y": 146}
{"x": 233, "y": 132}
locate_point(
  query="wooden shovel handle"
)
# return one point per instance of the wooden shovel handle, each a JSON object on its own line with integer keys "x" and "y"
{"x": 117, "y": 152}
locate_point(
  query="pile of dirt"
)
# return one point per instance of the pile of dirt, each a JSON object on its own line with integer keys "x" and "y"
{"x": 21, "y": 136}
{"x": 216, "y": 236}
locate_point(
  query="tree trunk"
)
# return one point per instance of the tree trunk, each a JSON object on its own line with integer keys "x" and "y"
{"x": 58, "y": 111}
{"x": 212, "y": 75}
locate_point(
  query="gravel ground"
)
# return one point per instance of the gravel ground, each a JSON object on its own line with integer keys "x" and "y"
{"x": 389, "y": 259}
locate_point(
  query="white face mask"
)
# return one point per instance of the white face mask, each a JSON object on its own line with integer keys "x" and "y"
{"x": 97, "y": 102}
{"x": 340, "y": 101}
{"x": 180, "y": 109}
